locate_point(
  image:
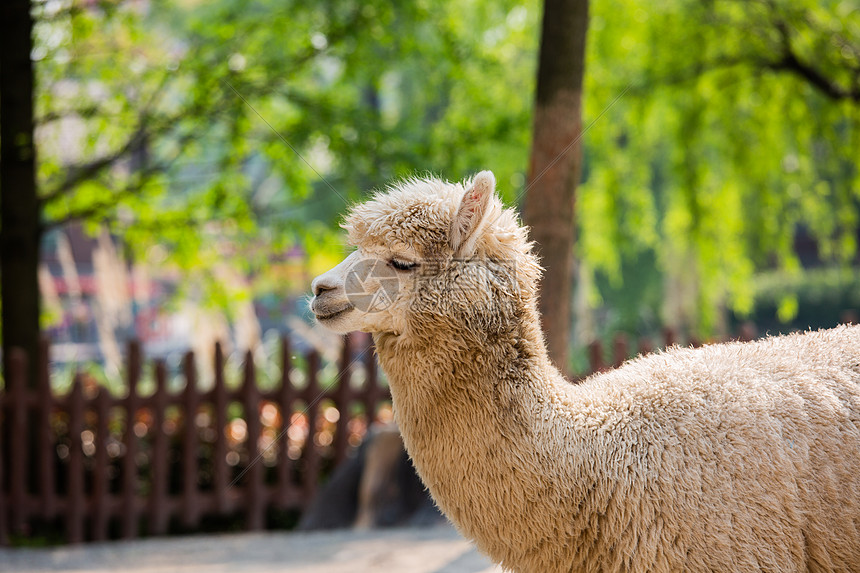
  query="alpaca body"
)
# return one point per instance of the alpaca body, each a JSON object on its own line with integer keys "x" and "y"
{"x": 731, "y": 457}
{"x": 692, "y": 460}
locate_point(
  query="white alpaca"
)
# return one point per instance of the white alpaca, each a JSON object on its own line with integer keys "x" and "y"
{"x": 732, "y": 457}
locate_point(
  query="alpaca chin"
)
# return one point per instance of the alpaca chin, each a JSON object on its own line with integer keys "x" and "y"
{"x": 338, "y": 321}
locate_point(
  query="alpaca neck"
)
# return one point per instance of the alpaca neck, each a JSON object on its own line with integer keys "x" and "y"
{"x": 473, "y": 416}
{"x": 436, "y": 366}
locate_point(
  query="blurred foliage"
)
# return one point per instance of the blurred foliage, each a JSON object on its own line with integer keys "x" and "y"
{"x": 738, "y": 128}
{"x": 229, "y": 132}
{"x": 818, "y": 296}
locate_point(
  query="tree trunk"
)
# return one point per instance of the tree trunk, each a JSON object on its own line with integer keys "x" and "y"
{"x": 20, "y": 232}
{"x": 556, "y": 164}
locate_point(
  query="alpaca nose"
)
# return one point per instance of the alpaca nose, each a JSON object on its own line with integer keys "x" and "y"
{"x": 322, "y": 284}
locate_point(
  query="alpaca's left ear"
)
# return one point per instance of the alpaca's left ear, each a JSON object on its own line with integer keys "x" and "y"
{"x": 473, "y": 214}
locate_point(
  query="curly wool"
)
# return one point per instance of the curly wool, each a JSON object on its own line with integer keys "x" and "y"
{"x": 730, "y": 457}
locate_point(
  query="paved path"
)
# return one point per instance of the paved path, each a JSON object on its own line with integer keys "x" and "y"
{"x": 428, "y": 550}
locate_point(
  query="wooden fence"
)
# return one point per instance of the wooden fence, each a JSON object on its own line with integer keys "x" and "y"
{"x": 154, "y": 463}
{"x": 108, "y": 466}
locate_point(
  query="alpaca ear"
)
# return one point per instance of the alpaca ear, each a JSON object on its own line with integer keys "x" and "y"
{"x": 472, "y": 213}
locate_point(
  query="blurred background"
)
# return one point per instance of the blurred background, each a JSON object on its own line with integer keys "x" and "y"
{"x": 188, "y": 162}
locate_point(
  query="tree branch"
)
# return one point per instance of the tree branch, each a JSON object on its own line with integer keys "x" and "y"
{"x": 51, "y": 116}
{"x": 148, "y": 127}
{"x": 788, "y": 59}
{"x": 133, "y": 189}
{"x": 77, "y": 174}
{"x": 683, "y": 76}
{"x": 791, "y": 62}
{"x": 80, "y": 173}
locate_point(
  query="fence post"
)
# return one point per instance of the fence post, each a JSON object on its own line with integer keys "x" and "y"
{"x": 595, "y": 356}
{"x": 286, "y": 396}
{"x": 18, "y": 439}
{"x": 254, "y": 477}
{"x": 219, "y": 450}
{"x": 158, "y": 492}
{"x": 129, "y": 461}
{"x": 190, "y": 400}
{"x": 371, "y": 389}
{"x": 342, "y": 396}
{"x": 619, "y": 349}
{"x": 45, "y": 404}
{"x": 75, "y": 502}
{"x": 101, "y": 491}
{"x": 310, "y": 455}
{"x": 4, "y": 528}
{"x": 645, "y": 346}
{"x": 670, "y": 337}
{"x": 747, "y": 332}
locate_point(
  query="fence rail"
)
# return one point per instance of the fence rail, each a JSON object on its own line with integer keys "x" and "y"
{"x": 112, "y": 466}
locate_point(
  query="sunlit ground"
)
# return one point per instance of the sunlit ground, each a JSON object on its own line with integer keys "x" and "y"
{"x": 430, "y": 550}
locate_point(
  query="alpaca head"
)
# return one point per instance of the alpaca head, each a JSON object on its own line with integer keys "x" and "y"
{"x": 429, "y": 253}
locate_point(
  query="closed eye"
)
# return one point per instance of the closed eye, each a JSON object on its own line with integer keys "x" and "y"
{"x": 402, "y": 265}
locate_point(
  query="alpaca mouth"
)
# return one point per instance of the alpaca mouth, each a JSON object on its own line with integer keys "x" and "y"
{"x": 329, "y": 315}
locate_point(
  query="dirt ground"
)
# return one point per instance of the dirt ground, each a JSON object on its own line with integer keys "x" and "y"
{"x": 428, "y": 550}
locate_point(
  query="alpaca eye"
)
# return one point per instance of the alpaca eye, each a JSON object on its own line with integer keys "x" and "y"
{"x": 402, "y": 265}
